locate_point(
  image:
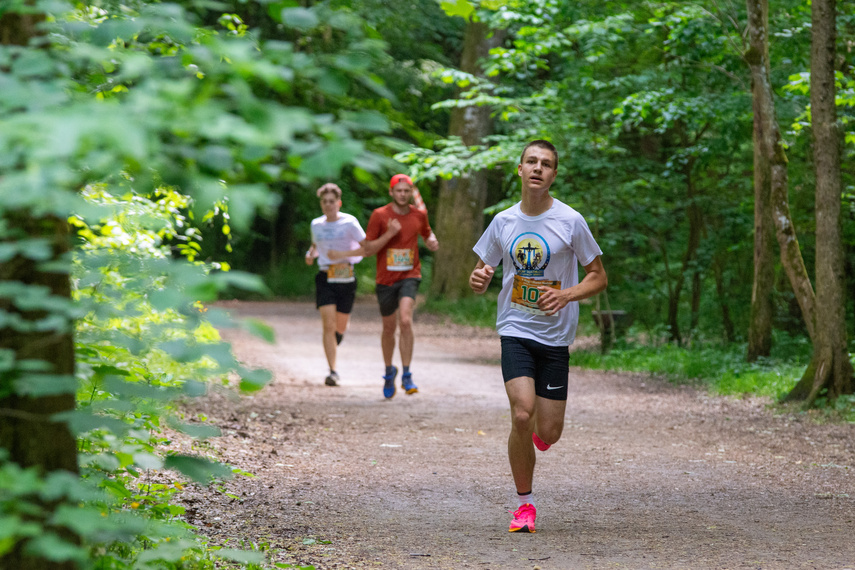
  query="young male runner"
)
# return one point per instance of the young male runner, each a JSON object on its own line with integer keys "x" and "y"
{"x": 335, "y": 282}
{"x": 398, "y": 275}
{"x": 540, "y": 241}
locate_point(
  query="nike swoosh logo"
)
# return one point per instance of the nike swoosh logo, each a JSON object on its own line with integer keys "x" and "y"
{"x": 548, "y": 387}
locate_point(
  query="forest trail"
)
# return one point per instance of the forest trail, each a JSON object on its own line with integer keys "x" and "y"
{"x": 646, "y": 475}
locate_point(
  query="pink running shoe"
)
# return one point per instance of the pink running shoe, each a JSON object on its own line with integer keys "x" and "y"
{"x": 523, "y": 519}
{"x": 539, "y": 443}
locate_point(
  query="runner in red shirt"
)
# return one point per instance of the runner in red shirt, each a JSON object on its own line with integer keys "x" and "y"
{"x": 398, "y": 274}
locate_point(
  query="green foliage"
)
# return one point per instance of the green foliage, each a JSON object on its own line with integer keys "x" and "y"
{"x": 650, "y": 108}
{"x": 720, "y": 368}
{"x": 146, "y": 342}
{"x": 145, "y": 127}
{"x": 477, "y": 311}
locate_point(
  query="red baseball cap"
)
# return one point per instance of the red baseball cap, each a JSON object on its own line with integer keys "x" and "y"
{"x": 398, "y": 178}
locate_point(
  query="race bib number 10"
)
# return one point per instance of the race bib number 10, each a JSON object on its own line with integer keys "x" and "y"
{"x": 399, "y": 259}
{"x": 525, "y": 293}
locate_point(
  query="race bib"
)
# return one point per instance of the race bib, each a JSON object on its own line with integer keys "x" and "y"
{"x": 340, "y": 273}
{"x": 399, "y": 259}
{"x": 525, "y": 293}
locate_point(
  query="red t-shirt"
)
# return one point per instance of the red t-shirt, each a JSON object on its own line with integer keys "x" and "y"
{"x": 398, "y": 259}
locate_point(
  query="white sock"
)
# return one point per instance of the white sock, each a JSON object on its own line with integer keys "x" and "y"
{"x": 529, "y": 498}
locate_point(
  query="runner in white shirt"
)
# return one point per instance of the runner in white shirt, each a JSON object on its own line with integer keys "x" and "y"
{"x": 540, "y": 241}
{"x": 335, "y": 283}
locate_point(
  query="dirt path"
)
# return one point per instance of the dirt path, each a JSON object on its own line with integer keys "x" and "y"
{"x": 647, "y": 475}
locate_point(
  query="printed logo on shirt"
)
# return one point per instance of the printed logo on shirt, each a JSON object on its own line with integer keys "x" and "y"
{"x": 530, "y": 255}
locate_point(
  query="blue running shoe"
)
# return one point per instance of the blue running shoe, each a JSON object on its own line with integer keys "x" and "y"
{"x": 389, "y": 383}
{"x": 407, "y": 383}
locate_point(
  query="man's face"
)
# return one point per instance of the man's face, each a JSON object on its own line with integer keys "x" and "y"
{"x": 401, "y": 193}
{"x": 537, "y": 169}
{"x": 330, "y": 205}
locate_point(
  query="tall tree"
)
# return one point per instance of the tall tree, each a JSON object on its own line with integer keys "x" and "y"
{"x": 33, "y": 336}
{"x": 830, "y": 367}
{"x": 462, "y": 199}
{"x": 774, "y": 158}
{"x": 760, "y": 326}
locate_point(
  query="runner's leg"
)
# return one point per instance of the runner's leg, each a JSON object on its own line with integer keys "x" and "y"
{"x": 520, "y": 447}
{"x": 387, "y": 337}
{"x": 328, "y": 318}
{"x": 406, "y": 307}
{"x": 549, "y": 416}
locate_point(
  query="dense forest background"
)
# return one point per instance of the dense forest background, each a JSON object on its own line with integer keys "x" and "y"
{"x": 651, "y": 106}
{"x": 155, "y": 157}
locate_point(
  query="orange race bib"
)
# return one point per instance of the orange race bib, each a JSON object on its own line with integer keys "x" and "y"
{"x": 525, "y": 293}
{"x": 399, "y": 259}
{"x": 340, "y": 273}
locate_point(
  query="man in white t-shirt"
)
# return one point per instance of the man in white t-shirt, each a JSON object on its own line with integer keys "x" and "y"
{"x": 541, "y": 242}
{"x": 335, "y": 283}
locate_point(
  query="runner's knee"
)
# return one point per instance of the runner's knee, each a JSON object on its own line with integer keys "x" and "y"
{"x": 406, "y": 323}
{"x": 522, "y": 419}
{"x": 550, "y": 434}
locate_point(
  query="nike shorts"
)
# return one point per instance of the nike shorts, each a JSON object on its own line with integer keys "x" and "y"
{"x": 548, "y": 365}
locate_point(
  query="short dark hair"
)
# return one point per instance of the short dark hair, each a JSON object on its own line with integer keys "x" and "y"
{"x": 329, "y": 187}
{"x": 542, "y": 144}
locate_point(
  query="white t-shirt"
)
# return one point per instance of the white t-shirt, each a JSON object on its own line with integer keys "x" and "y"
{"x": 343, "y": 234}
{"x": 543, "y": 250}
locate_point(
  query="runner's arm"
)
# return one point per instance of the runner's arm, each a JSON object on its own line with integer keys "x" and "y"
{"x": 481, "y": 277}
{"x": 311, "y": 254}
{"x": 431, "y": 242}
{"x": 368, "y": 248}
{"x": 595, "y": 281}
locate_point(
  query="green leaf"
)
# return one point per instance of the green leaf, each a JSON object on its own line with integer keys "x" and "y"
{"x": 241, "y": 556}
{"x": 51, "y": 547}
{"x": 328, "y": 162}
{"x": 300, "y": 18}
{"x": 194, "y": 389}
{"x": 12, "y": 526}
{"x": 259, "y": 328}
{"x": 38, "y": 385}
{"x": 197, "y": 468}
{"x": 172, "y": 552}
{"x": 198, "y": 431}
{"x": 81, "y": 421}
{"x": 461, "y": 8}
{"x": 253, "y": 380}
{"x": 333, "y": 82}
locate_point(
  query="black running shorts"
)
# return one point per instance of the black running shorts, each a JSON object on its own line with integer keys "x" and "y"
{"x": 390, "y": 295}
{"x": 339, "y": 294}
{"x": 548, "y": 365}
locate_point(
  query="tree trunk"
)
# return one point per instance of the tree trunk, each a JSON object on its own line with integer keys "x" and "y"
{"x": 774, "y": 156}
{"x": 760, "y": 327}
{"x": 830, "y": 368}
{"x": 27, "y": 428}
{"x": 696, "y": 222}
{"x": 460, "y": 212}
{"x": 696, "y": 231}
{"x": 721, "y": 291}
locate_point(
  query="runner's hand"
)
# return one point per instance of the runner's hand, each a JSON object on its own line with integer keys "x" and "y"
{"x": 393, "y": 227}
{"x": 480, "y": 278}
{"x": 552, "y": 300}
{"x": 432, "y": 243}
